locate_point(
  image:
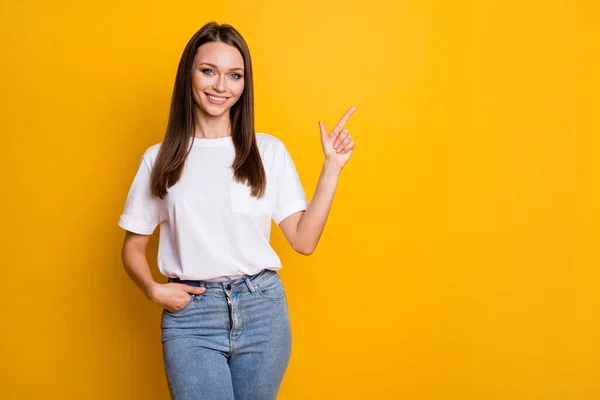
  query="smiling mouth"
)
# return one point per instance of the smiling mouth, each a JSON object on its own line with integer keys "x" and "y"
{"x": 216, "y": 99}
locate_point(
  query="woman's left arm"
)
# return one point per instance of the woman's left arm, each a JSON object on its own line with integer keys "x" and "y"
{"x": 303, "y": 229}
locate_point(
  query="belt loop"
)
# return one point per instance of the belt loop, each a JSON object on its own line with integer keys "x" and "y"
{"x": 247, "y": 279}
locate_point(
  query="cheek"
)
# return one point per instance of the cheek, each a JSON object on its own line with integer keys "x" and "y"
{"x": 200, "y": 83}
{"x": 237, "y": 88}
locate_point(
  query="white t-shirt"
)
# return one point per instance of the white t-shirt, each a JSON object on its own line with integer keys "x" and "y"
{"x": 210, "y": 227}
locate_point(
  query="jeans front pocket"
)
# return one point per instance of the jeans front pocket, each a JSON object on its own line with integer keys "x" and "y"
{"x": 271, "y": 288}
{"x": 182, "y": 309}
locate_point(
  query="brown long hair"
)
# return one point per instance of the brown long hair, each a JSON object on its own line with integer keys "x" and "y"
{"x": 247, "y": 165}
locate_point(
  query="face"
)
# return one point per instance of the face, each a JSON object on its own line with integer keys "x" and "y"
{"x": 217, "y": 78}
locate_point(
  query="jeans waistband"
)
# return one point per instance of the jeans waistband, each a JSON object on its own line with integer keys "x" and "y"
{"x": 233, "y": 285}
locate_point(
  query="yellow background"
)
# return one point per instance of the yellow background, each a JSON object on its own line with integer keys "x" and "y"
{"x": 460, "y": 259}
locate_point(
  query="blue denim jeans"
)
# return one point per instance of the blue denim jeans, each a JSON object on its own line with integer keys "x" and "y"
{"x": 231, "y": 342}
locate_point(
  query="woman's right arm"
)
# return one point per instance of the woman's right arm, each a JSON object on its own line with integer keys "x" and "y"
{"x": 135, "y": 262}
{"x": 171, "y": 296}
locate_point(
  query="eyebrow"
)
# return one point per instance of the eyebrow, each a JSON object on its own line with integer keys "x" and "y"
{"x": 215, "y": 67}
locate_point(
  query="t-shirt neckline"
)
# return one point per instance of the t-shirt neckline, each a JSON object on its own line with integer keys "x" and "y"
{"x": 218, "y": 142}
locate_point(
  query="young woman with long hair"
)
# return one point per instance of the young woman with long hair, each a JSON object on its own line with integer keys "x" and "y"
{"x": 214, "y": 184}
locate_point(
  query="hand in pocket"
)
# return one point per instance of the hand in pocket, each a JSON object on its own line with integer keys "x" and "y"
{"x": 174, "y": 296}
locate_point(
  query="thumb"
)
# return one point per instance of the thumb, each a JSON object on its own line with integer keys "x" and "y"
{"x": 323, "y": 130}
{"x": 194, "y": 289}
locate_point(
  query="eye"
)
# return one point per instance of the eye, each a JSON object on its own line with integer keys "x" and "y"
{"x": 237, "y": 76}
{"x": 204, "y": 71}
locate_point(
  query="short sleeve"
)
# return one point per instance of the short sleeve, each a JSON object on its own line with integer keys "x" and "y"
{"x": 141, "y": 213}
{"x": 290, "y": 195}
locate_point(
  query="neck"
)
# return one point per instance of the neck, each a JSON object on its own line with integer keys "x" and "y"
{"x": 210, "y": 127}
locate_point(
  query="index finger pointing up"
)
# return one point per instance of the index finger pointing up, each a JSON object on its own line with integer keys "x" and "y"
{"x": 345, "y": 118}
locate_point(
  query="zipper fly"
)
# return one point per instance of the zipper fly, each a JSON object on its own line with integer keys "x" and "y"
{"x": 230, "y": 312}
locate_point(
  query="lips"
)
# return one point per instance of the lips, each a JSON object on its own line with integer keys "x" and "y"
{"x": 216, "y": 99}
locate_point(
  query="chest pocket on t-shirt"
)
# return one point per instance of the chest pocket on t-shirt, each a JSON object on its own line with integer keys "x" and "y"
{"x": 240, "y": 200}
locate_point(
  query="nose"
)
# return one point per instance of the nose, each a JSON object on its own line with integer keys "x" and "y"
{"x": 220, "y": 84}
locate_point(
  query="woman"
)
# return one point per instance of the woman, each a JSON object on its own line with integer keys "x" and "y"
{"x": 214, "y": 184}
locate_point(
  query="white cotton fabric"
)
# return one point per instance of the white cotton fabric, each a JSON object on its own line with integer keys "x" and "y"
{"x": 210, "y": 227}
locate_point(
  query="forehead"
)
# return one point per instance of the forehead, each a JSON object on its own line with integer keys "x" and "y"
{"x": 220, "y": 54}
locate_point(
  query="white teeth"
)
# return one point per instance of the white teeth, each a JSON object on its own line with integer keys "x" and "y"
{"x": 217, "y": 98}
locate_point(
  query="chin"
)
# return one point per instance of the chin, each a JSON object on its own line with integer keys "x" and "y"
{"x": 215, "y": 111}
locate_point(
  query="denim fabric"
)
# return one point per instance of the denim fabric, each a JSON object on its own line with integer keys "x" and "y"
{"x": 231, "y": 342}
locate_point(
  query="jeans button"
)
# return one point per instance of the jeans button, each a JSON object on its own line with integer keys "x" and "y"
{"x": 228, "y": 287}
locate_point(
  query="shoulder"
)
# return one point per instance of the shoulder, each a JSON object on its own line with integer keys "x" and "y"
{"x": 267, "y": 140}
{"x": 151, "y": 153}
{"x": 272, "y": 151}
{"x": 270, "y": 144}
{"x": 153, "y": 150}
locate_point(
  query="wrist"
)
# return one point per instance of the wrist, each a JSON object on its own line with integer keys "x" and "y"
{"x": 149, "y": 289}
{"x": 331, "y": 166}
